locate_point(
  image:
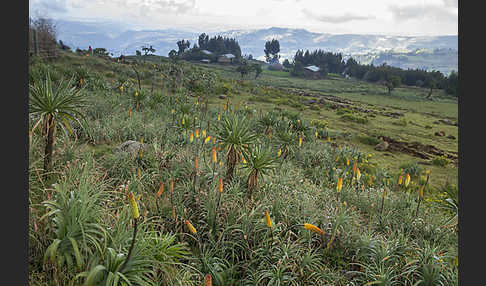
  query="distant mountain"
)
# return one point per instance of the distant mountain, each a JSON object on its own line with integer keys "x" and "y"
{"x": 365, "y": 47}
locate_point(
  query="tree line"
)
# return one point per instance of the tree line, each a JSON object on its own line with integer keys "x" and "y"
{"x": 389, "y": 76}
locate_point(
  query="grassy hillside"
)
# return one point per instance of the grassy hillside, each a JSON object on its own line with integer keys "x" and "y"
{"x": 256, "y": 187}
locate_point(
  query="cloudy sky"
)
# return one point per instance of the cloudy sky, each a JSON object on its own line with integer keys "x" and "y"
{"x": 392, "y": 17}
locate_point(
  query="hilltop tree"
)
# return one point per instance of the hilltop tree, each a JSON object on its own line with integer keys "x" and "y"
{"x": 183, "y": 45}
{"x": 287, "y": 64}
{"x": 392, "y": 82}
{"x": 148, "y": 50}
{"x": 258, "y": 69}
{"x": 244, "y": 69}
{"x": 272, "y": 48}
{"x": 203, "y": 41}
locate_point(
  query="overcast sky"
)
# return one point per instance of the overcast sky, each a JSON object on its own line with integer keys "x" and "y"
{"x": 405, "y": 17}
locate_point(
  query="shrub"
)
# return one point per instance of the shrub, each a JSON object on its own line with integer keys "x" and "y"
{"x": 319, "y": 123}
{"x": 355, "y": 118}
{"x": 440, "y": 161}
{"x": 369, "y": 140}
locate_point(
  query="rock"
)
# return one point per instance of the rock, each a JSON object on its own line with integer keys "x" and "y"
{"x": 131, "y": 146}
{"x": 440, "y": 133}
{"x": 382, "y": 146}
{"x": 309, "y": 102}
{"x": 451, "y": 137}
{"x": 222, "y": 96}
{"x": 446, "y": 121}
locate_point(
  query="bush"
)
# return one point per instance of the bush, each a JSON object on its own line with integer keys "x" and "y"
{"x": 355, "y": 118}
{"x": 319, "y": 123}
{"x": 369, "y": 140}
{"x": 440, "y": 161}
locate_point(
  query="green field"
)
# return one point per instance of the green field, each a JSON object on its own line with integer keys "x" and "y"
{"x": 278, "y": 206}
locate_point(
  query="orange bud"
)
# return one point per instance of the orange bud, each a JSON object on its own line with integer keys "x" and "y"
{"x": 171, "y": 186}
{"x": 196, "y": 164}
{"x": 191, "y": 137}
{"x": 197, "y": 132}
{"x": 400, "y": 179}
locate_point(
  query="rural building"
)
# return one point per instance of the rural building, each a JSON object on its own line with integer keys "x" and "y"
{"x": 312, "y": 72}
{"x": 206, "y": 52}
{"x": 206, "y": 61}
{"x": 226, "y": 58}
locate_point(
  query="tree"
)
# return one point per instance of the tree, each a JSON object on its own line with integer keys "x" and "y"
{"x": 54, "y": 106}
{"x": 260, "y": 162}
{"x": 148, "y": 50}
{"x": 272, "y": 48}
{"x": 244, "y": 69}
{"x": 392, "y": 82}
{"x": 235, "y": 134}
{"x": 258, "y": 69}
{"x": 430, "y": 83}
{"x": 287, "y": 64}
{"x": 183, "y": 45}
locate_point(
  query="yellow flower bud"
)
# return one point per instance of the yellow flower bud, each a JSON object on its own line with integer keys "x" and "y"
{"x": 268, "y": 221}
{"x": 313, "y": 228}
{"x": 191, "y": 228}
{"x": 339, "y": 184}
{"x": 133, "y": 205}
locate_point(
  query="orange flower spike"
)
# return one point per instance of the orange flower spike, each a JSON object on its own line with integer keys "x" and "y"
{"x": 196, "y": 164}
{"x": 220, "y": 185}
{"x": 400, "y": 180}
{"x": 355, "y": 165}
{"x": 197, "y": 132}
{"x": 213, "y": 155}
{"x": 339, "y": 184}
{"x": 207, "y": 140}
{"x": 208, "y": 280}
{"x": 313, "y": 228}
{"x": 191, "y": 137}
{"x": 347, "y": 162}
{"x": 161, "y": 189}
{"x": 358, "y": 174}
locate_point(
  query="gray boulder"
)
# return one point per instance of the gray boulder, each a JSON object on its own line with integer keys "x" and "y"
{"x": 382, "y": 146}
{"x": 131, "y": 146}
